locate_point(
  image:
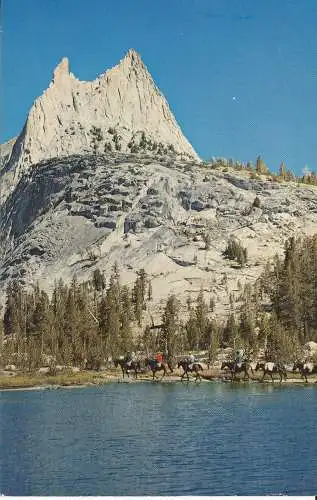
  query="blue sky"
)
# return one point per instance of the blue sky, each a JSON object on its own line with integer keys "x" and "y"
{"x": 239, "y": 75}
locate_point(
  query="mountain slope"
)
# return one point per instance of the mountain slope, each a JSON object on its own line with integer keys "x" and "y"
{"x": 67, "y": 217}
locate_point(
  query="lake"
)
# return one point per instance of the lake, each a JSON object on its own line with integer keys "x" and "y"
{"x": 160, "y": 439}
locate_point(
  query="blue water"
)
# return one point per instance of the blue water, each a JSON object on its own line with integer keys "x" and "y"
{"x": 160, "y": 439}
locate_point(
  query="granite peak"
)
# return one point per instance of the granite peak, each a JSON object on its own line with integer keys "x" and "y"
{"x": 111, "y": 112}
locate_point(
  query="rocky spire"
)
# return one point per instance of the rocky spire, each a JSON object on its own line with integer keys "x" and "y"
{"x": 133, "y": 56}
{"x": 61, "y": 70}
{"x": 64, "y": 119}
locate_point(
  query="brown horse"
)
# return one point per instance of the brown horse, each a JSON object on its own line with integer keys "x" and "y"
{"x": 305, "y": 369}
{"x": 127, "y": 366}
{"x": 189, "y": 367}
{"x": 270, "y": 368}
{"x": 157, "y": 367}
{"x": 238, "y": 368}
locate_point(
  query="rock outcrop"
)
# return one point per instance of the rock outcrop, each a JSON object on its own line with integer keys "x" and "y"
{"x": 70, "y": 216}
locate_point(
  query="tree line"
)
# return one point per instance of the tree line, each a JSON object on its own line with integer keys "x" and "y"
{"x": 82, "y": 324}
{"x": 260, "y": 168}
{"x": 279, "y": 311}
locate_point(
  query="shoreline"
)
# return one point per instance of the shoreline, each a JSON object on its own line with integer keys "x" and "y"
{"x": 30, "y": 382}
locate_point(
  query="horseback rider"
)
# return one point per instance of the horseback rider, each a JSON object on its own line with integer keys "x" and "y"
{"x": 159, "y": 359}
{"x": 129, "y": 358}
{"x": 191, "y": 359}
{"x": 239, "y": 358}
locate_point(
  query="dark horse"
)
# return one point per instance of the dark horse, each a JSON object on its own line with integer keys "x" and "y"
{"x": 127, "y": 366}
{"x": 270, "y": 368}
{"x": 157, "y": 367}
{"x": 238, "y": 368}
{"x": 305, "y": 369}
{"x": 189, "y": 367}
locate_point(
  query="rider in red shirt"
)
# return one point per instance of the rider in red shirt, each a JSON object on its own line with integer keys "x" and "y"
{"x": 159, "y": 357}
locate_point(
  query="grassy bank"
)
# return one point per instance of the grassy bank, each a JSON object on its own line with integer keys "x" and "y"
{"x": 26, "y": 380}
{"x": 31, "y": 380}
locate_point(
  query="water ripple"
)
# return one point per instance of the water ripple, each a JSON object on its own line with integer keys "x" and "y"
{"x": 152, "y": 439}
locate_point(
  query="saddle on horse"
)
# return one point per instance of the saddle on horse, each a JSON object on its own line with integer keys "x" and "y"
{"x": 154, "y": 363}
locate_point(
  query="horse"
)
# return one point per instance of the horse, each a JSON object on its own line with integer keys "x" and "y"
{"x": 305, "y": 369}
{"x": 238, "y": 368}
{"x": 189, "y": 367}
{"x": 127, "y": 366}
{"x": 270, "y": 368}
{"x": 157, "y": 367}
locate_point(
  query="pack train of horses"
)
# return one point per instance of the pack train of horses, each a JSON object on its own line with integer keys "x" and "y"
{"x": 196, "y": 368}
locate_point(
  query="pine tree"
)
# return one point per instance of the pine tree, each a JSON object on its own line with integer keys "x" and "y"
{"x": 282, "y": 171}
{"x": 212, "y": 304}
{"x": 231, "y": 331}
{"x": 261, "y": 168}
{"x": 91, "y": 350}
{"x": 15, "y": 320}
{"x": 138, "y": 295}
{"x": 202, "y": 320}
{"x": 58, "y": 312}
{"x": 37, "y": 323}
{"x": 170, "y": 325}
{"x": 189, "y": 303}
{"x": 214, "y": 340}
{"x": 198, "y": 325}
{"x": 11, "y": 320}
{"x": 248, "y": 313}
{"x": 142, "y": 283}
{"x": 111, "y": 315}
{"x": 126, "y": 341}
{"x": 190, "y": 329}
{"x": 99, "y": 280}
{"x": 235, "y": 251}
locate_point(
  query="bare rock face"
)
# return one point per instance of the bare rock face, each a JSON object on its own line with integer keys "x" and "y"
{"x": 5, "y": 152}
{"x": 69, "y": 216}
{"x": 122, "y": 110}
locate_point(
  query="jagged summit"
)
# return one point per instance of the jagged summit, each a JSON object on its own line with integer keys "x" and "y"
{"x": 116, "y": 111}
{"x": 131, "y": 59}
{"x": 61, "y": 70}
